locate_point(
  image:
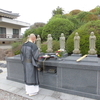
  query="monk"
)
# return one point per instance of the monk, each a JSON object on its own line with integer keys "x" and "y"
{"x": 29, "y": 58}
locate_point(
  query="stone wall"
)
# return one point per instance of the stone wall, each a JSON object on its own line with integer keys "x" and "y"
{"x": 5, "y": 53}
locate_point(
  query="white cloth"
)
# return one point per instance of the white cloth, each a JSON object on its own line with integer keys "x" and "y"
{"x": 31, "y": 89}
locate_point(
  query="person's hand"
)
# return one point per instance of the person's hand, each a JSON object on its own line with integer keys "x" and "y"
{"x": 39, "y": 69}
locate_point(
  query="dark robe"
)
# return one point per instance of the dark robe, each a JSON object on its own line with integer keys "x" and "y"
{"x": 29, "y": 57}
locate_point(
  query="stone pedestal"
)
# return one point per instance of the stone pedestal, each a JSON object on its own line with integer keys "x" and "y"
{"x": 79, "y": 78}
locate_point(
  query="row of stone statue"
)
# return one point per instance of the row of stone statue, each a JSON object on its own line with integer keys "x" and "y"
{"x": 92, "y": 40}
{"x": 49, "y": 43}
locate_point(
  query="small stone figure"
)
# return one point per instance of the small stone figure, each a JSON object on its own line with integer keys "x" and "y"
{"x": 62, "y": 42}
{"x": 38, "y": 42}
{"x": 76, "y": 44}
{"x": 49, "y": 43}
{"x": 92, "y": 40}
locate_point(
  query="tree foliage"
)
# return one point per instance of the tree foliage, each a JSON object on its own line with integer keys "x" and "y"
{"x": 37, "y": 25}
{"x": 96, "y": 10}
{"x": 58, "y": 11}
{"x": 86, "y": 16}
{"x": 36, "y": 28}
{"x": 57, "y": 26}
{"x": 75, "y": 12}
{"x": 28, "y": 32}
{"x": 77, "y": 23}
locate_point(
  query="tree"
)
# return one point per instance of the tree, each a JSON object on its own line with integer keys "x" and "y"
{"x": 36, "y": 28}
{"x": 37, "y": 25}
{"x": 58, "y": 11}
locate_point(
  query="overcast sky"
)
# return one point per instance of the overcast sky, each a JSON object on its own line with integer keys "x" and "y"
{"x": 32, "y": 11}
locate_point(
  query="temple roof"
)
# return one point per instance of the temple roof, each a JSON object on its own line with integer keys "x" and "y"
{"x": 8, "y": 14}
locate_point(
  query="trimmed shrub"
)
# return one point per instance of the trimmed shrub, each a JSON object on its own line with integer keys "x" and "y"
{"x": 55, "y": 46}
{"x": 84, "y": 33}
{"x": 57, "y": 26}
{"x": 96, "y": 10}
{"x": 77, "y": 23}
{"x": 75, "y": 12}
{"x": 58, "y": 16}
{"x": 86, "y": 16}
{"x": 44, "y": 47}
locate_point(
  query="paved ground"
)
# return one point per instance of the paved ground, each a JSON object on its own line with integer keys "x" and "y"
{"x": 17, "y": 90}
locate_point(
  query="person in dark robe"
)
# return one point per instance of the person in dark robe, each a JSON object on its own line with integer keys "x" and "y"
{"x": 29, "y": 57}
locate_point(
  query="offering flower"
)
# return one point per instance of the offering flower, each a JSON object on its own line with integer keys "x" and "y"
{"x": 60, "y": 52}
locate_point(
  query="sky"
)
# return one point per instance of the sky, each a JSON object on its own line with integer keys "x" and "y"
{"x": 32, "y": 11}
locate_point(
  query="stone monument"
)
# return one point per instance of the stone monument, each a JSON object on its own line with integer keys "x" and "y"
{"x": 62, "y": 42}
{"x": 92, "y": 40}
{"x": 76, "y": 44}
{"x": 38, "y": 42}
{"x": 49, "y": 44}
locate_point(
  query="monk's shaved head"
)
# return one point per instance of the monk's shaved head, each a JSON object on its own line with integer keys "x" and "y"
{"x": 32, "y": 37}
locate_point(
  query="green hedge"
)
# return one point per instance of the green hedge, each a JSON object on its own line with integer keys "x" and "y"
{"x": 16, "y": 47}
{"x": 55, "y": 46}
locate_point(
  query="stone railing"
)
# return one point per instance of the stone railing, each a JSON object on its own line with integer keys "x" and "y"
{"x": 9, "y": 36}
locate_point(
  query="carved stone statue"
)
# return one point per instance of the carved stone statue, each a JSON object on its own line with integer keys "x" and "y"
{"x": 49, "y": 43}
{"x": 62, "y": 42}
{"x": 76, "y": 44}
{"x": 92, "y": 40}
{"x": 38, "y": 42}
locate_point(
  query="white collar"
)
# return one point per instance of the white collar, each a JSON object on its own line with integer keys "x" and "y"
{"x": 30, "y": 41}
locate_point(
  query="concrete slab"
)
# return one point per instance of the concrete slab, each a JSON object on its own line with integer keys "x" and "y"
{"x": 46, "y": 92}
{"x": 50, "y": 98}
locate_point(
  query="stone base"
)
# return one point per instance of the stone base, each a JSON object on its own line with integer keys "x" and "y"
{"x": 76, "y": 54}
{"x": 78, "y": 78}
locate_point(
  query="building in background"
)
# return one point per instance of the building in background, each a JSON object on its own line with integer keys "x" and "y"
{"x": 10, "y": 29}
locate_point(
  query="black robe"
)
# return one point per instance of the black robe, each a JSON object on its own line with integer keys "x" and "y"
{"x": 29, "y": 57}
